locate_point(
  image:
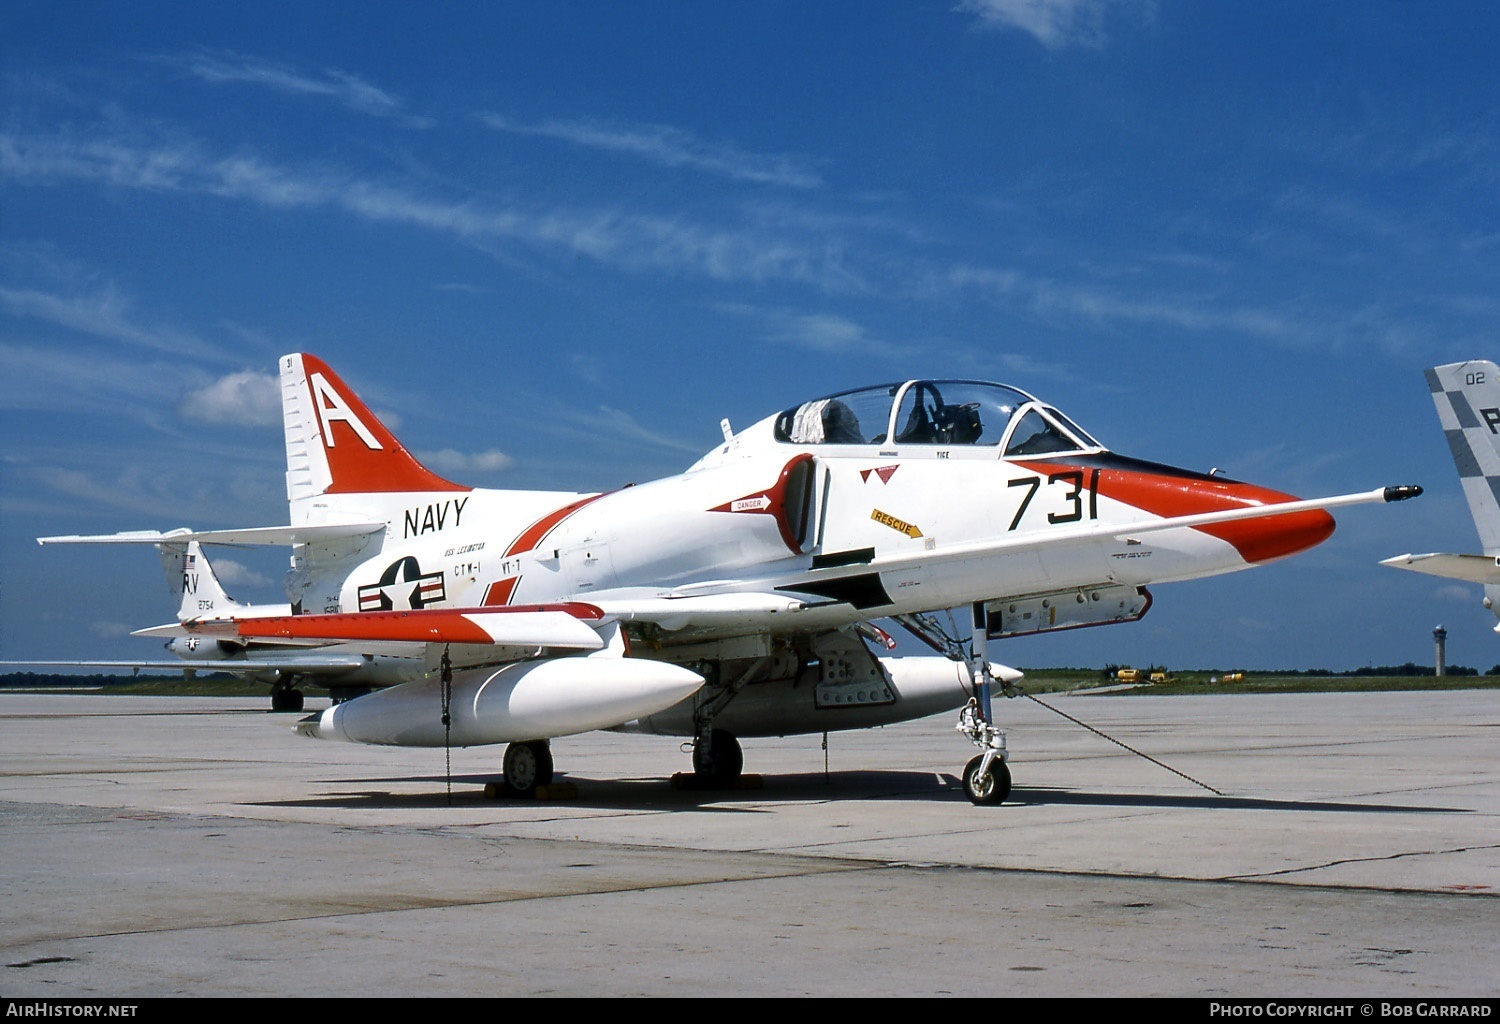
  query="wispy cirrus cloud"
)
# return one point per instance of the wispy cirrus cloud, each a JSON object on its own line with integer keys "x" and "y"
{"x": 827, "y": 333}
{"x": 669, "y": 147}
{"x": 1053, "y": 23}
{"x": 346, "y": 89}
{"x": 622, "y": 424}
{"x": 1069, "y": 300}
{"x": 630, "y": 240}
{"x": 103, "y": 313}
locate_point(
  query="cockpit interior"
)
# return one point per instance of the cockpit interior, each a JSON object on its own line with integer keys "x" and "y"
{"x": 947, "y": 413}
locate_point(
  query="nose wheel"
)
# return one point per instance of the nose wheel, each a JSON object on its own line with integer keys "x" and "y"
{"x": 986, "y": 784}
{"x": 986, "y": 776}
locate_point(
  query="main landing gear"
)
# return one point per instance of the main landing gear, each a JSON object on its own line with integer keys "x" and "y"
{"x": 527, "y": 765}
{"x": 717, "y": 758}
{"x": 285, "y": 696}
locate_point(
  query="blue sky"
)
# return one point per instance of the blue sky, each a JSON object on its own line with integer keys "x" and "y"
{"x": 555, "y": 243}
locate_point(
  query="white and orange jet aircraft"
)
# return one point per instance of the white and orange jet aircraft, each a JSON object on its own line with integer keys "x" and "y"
{"x": 733, "y": 600}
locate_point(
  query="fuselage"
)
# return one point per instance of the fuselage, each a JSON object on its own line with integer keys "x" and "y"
{"x": 805, "y": 490}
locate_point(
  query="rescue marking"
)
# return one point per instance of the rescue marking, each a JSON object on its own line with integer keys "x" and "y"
{"x": 899, "y": 525}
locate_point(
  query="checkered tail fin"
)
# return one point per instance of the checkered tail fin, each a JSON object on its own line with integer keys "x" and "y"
{"x": 1467, "y": 396}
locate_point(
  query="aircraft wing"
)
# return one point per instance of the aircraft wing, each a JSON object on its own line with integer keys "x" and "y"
{"x": 1473, "y": 568}
{"x": 853, "y": 577}
{"x": 844, "y": 565}
{"x": 1041, "y": 539}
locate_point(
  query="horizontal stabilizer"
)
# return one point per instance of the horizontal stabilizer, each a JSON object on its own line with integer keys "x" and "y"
{"x": 1473, "y": 568}
{"x": 263, "y": 535}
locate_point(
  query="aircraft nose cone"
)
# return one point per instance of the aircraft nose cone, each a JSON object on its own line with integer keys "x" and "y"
{"x": 1169, "y": 491}
{"x": 1261, "y": 540}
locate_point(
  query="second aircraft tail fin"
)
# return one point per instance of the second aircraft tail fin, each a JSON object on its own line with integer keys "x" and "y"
{"x": 203, "y": 596}
{"x": 1467, "y": 396}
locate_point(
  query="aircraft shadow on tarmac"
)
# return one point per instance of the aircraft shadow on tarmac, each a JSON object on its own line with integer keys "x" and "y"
{"x": 658, "y": 793}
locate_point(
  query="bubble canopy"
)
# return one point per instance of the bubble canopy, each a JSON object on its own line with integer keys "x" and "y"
{"x": 947, "y": 413}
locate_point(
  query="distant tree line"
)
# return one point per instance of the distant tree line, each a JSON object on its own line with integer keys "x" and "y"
{"x": 41, "y": 680}
{"x": 1410, "y": 669}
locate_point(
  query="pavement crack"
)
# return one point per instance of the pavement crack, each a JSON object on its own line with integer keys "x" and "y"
{"x": 1342, "y": 861}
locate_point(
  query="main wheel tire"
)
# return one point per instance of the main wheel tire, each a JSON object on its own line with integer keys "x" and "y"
{"x": 721, "y": 760}
{"x": 990, "y": 788}
{"x": 527, "y": 766}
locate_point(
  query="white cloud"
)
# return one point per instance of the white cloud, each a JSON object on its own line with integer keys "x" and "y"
{"x": 247, "y": 399}
{"x": 1458, "y": 593}
{"x": 1053, "y": 23}
{"x": 234, "y": 574}
{"x": 670, "y": 147}
{"x": 451, "y": 462}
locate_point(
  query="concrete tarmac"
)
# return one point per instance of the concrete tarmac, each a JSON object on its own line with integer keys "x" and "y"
{"x": 183, "y": 846}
